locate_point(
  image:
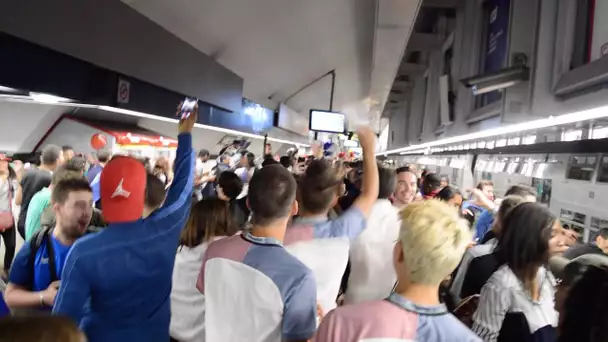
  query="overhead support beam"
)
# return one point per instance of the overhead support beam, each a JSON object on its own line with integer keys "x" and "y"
{"x": 443, "y": 3}
{"x": 412, "y": 69}
{"x": 425, "y": 42}
{"x": 401, "y": 86}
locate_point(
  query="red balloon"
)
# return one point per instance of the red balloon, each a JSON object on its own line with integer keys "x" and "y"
{"x": 98, "y": 141}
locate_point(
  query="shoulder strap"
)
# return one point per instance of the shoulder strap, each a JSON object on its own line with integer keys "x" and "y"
{"x": 10, "y": 193}
{"x": 40, "y": 237}
{"x": 51, "y": 253}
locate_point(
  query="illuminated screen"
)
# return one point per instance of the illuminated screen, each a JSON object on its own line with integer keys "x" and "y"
{"x": 324, "y": 121}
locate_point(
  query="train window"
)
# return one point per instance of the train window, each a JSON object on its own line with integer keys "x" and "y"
{"x": 598, "y": 223}
{"x": 513, "y": 141}
{"x": 501, "y": 142}
{"x": 512, "y": 168}
{"x": 499, "y": 166}
{"x": 599, "y": 133}
{"x": 527, "y": 169}
{"x": 572, "y": 135}
{"x": 529, "y": 140}
{"x": 455, "y": 178}
{"x": 572, "y": 216}
{"x": 581, "y": 167}
{"x": 490, "y": 145}
{"x": 574, "y": 221}
{"x": 489, "y": 167}
{"x": 593, "y": 234}
{"x": 602, "y": 174}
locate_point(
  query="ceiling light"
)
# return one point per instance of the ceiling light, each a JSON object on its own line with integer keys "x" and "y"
{"x": 505, "y": 78}
{"x": 4, "y": 89}
{"x": 211, "y": 128}
{"x": 551, "y": 121}
{"x": 48, "y": 98}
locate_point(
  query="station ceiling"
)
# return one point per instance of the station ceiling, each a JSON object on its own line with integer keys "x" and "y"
{"x": 279, "y": 46}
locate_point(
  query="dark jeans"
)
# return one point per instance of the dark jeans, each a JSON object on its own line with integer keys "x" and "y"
{"x": 9, "y": 247}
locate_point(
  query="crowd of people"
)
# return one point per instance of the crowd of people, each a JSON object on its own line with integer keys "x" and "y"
{"x": 232, "y": 248}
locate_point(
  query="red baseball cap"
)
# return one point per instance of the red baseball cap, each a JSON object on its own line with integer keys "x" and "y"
{"x": 3, "y": 157}
{"x": 123, "y": 189}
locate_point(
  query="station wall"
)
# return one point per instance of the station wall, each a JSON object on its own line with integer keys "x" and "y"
{"x": 128, "y": 43}
{"x": 544, "y": 32}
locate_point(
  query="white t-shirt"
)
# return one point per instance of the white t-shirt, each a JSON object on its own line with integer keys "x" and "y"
{"x": 256, "y": 292}
{"x": 372, "y": 275}
{"x": 323, "y": 246}
{"x": 187, "y": 302}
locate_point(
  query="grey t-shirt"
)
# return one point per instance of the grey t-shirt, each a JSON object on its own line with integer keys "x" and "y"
{"x": 5, "y": 195}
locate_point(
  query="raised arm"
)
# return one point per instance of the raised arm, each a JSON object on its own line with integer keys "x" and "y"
{"x": 369, "y": 192}
{"x": 174, "y": 212}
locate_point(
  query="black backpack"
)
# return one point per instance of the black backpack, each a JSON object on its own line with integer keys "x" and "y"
{"x": 40, "y": 237}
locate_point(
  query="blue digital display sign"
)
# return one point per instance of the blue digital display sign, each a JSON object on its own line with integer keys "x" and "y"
{"x": 497, "y": 43}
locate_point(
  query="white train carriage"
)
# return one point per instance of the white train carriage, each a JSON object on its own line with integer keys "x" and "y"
{"x": 573, "y": 185}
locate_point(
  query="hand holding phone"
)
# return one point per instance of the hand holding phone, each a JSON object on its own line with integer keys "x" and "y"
{"x": 187, "y": 107}
{"x": 187, "y": 112}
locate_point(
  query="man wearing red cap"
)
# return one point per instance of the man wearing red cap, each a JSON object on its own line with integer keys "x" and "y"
{"x": 124, "y": 273}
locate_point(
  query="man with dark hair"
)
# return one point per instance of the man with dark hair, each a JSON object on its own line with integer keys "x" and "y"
{"x": 42, "y": 199}
{"x": 407, "y": 187}
{"x": 372, "y": 275}
{"x": 229, "y": 187}
{"x": 94, "y": 175}
{"x": 126, "y": 269}
{"x": 599, "y": 246}
{"x": 204, "y": 168}
{"x": 482, "y": 196}
{"x": 485, "y": 218}
{"x": 286, "y": 162}
{"x": 211, "y": 179}
{"x": 288, "y": 310}
{"x": 35, "y": 180}
{"x": 37, "y": 269}
{"x": 68, "y": 152}
{"x": 77, "y": 163}
{"x": 269, "y": 162}
{"x": 313, "y": 236}
{"x": 204, "y": 155}
{"x": 103, "y": 157}
{"x": 431, "y": 185}
{"x": 155, "y": 194}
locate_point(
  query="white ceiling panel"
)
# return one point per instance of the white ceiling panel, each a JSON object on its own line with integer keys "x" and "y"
{"x": 279, "y": 46}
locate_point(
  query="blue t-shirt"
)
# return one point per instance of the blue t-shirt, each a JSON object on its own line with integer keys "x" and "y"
{"x": 93, "y": 172}
{"x": 483, "y": 224}
{"x": 21, "y": 274}
{"x": 96, "y": 187}
{"x": 4, "y": 311}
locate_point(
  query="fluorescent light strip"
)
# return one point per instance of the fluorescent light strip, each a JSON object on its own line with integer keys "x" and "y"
{"x": 8, "y": 89}
{"x": 211, "y": 128}
{"x": 590, "y": 114}
{"x": 47, "y": 98}
{"x": 423, "y": 151}
{"x": 29, "y": 99}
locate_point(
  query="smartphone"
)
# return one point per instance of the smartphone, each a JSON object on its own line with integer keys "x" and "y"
{"x": 187, "y": 107}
